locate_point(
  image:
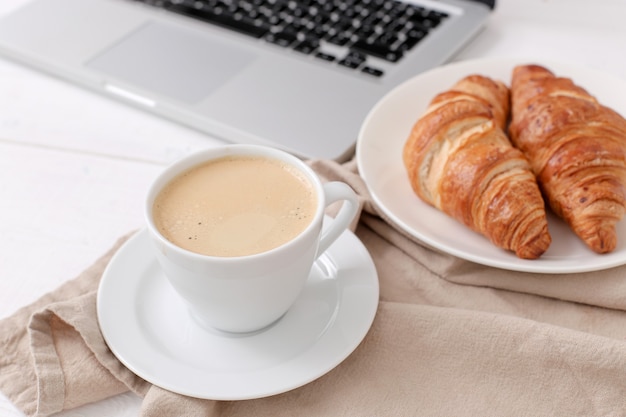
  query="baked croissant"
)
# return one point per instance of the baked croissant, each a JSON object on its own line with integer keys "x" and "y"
{"x": 577, "y": 150}
{"x": 459, "y": 160}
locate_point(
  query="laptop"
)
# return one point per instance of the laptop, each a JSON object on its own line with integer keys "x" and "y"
{"x": 300, "y": 75}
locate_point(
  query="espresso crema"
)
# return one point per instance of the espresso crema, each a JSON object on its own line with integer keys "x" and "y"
{"x": 235, "y": 206}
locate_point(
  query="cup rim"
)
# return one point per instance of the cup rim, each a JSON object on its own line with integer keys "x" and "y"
{"x": 199, "y": 157}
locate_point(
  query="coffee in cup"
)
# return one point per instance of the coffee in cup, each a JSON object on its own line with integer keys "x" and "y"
{"x": 235, "y": 206}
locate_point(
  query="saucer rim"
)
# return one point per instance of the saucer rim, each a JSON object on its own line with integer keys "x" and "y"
{"x": 366, "y": 317}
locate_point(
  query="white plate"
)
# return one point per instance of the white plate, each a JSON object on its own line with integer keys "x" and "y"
{"x": 148, "y": 328}
{"x": 379, "y": 158}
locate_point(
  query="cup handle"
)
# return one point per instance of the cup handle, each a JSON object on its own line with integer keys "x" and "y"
{"x": 336, "y": 191}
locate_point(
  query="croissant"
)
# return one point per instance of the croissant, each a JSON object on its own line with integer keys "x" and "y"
{"x": 577, "y": 150}
{"x": 459, "y": 160}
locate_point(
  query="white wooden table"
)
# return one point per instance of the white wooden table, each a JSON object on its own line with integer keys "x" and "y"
{"x": 74, "y": 166}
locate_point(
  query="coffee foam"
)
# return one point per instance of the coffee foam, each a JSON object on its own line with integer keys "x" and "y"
{"x": 235, "y": 206}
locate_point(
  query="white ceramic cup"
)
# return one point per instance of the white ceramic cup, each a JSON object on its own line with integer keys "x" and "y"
{"x": 248, "y": 293}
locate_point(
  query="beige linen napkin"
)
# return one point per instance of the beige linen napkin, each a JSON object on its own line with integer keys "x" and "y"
{"x": 450, "y": 338}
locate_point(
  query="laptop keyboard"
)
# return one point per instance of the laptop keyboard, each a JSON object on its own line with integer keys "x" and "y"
{"x": 345, "y": 32}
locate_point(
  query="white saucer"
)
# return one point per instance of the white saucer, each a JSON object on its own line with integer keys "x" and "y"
{"x": 148, "y": 328}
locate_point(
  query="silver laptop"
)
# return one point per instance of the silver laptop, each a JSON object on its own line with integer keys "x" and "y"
{"x": 300, "y": 75}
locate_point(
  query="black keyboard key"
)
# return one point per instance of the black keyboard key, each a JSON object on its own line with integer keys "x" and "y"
{"x": 425, "y": 20}
{"x": 242, "y": 26}
{"x": 378, "y": 50}
{"x": 348, "y": 64}
{"x": 372, "y": 71}
{"x": 412, "y": 38}
{"x": 387, "y": 39}
{"x": 281, "y": 38}
{"x": 416, "y": 34}
{"x": 366, "y": 31}
{"x": 435, "y": 18}
{"x": 306, "y": 46}
{"x": 324, "y": 56}
{"x": 339, "y": 40}
{"x": 353, "y": 60}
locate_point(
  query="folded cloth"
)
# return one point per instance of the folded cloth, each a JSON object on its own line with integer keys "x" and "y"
{"x": 450, "y": 338}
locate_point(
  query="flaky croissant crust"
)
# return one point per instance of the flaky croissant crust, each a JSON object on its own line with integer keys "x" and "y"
{"x": 577, "y": 149}
{"x": 459, "y": 160}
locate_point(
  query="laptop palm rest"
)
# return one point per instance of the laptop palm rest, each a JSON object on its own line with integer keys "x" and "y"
{"x": 152, "y": 58}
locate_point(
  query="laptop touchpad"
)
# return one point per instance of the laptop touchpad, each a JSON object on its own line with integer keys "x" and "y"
{"x": 172, "y": 62}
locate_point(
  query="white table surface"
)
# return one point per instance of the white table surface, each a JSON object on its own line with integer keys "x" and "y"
{"x": 74, "y": 166}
